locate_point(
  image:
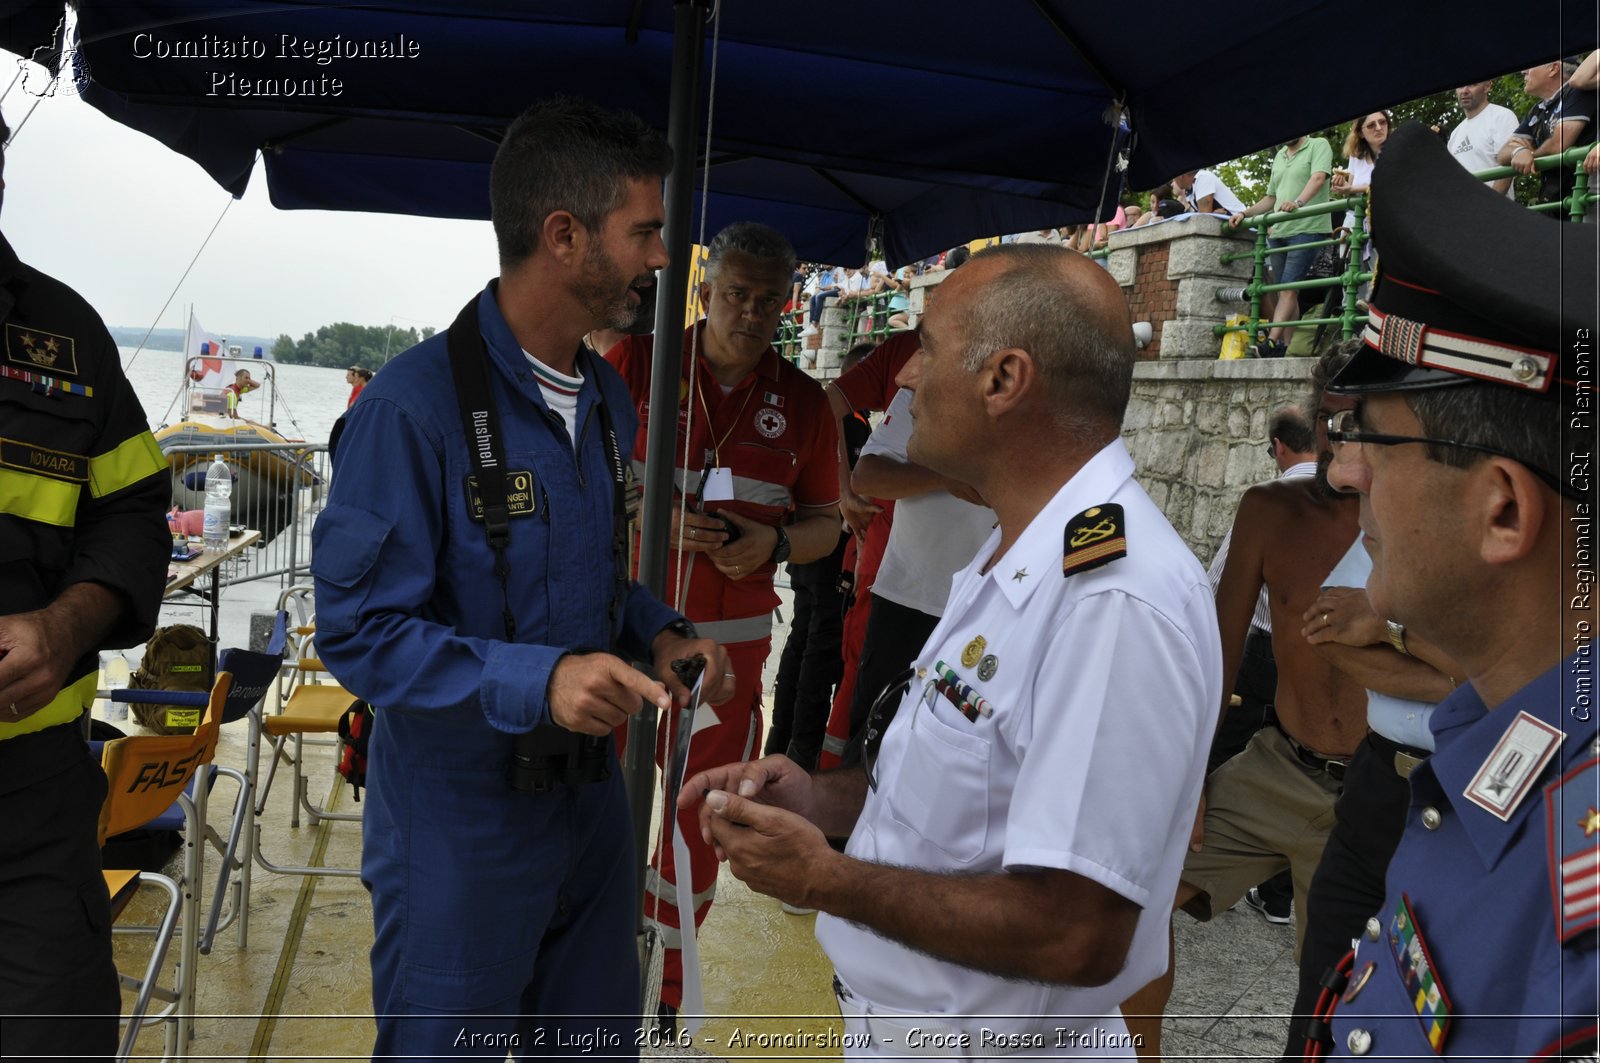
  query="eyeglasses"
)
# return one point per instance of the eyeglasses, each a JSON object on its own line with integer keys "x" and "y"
{"x": 882, "y": 713}
{"x": 1272, "y": 447}
{"x": 1345, "y": 438}
{"x": 1382, "y": 123}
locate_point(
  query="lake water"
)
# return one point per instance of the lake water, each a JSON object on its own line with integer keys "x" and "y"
{"x": 309, "y": 398}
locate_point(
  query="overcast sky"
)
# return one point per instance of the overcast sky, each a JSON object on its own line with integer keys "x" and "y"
{"x": 118, "y": 216}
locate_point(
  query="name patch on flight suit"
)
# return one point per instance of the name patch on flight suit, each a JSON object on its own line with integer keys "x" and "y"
{"x": 41, "y": 350}
{"x": 56, "y": 464}
{"x": 520, "y": 501}
{"x": 1095, "y": 537}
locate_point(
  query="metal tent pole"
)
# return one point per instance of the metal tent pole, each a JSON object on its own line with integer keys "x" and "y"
{"x": 689, "y": 20}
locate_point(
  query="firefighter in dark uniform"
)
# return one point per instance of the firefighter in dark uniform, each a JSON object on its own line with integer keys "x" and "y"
{"x": 83, "y": 558}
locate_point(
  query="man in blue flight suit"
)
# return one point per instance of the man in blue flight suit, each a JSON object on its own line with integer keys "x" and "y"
{"x": 1472, "y": 449}
{"x": 504, "y": 903}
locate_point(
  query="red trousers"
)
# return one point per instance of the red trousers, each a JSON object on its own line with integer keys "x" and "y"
{"x": 735, "y": 737}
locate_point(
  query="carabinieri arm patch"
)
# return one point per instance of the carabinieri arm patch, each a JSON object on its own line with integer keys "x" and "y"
{"x": 1095, "y": 537}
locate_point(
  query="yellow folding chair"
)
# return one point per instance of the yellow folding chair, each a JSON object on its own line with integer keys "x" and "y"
{"x": 146, "y": 774}
{"x": 308, "y": 706}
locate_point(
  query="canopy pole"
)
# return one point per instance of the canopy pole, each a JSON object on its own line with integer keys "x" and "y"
{"x": 666, "y": 370}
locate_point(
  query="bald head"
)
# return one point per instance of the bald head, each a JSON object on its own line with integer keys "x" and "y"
{"x": 1071, "y": 318}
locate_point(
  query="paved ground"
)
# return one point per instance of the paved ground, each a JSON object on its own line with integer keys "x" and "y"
{"x": 300, "y": 985}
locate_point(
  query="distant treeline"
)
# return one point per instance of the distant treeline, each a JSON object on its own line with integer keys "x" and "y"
{"x": 171, "y": 339}
{"x": 342, "y": 345}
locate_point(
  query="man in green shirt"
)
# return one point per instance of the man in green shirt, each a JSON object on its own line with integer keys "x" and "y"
{"x": 1299, "y": 179}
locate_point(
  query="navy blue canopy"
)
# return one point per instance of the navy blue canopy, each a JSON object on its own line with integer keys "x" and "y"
{"x": 941, "y": 120}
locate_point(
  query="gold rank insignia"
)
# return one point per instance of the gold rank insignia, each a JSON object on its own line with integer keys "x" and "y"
{"x": 1093, "y": 538}
{"x": 974, "y": 651}
{"x": 39, "y": 349}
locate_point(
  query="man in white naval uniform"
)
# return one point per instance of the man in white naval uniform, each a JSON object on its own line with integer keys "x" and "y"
{"x": 1015, "y": 848}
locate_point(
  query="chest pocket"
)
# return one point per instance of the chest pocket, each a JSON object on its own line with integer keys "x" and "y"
{"x": 942, "y": 789}
{"x": 764, "y": 474}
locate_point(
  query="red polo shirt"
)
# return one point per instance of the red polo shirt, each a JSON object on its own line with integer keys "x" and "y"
{"x": 870, "y": 385}
{"x": 774, "y": 431}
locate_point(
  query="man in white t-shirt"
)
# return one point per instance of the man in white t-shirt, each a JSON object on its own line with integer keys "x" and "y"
{"x": 938, "y": 526}
{"x": 1476, "y": 142}
{"x": 1206, "y": 194}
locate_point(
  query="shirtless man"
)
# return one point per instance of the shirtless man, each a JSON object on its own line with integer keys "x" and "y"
{"x": 1271, "y": 807}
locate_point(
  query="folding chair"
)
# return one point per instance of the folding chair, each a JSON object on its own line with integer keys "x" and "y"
{"x": 253, "y": 675}
{"x": 308, "y": 706}
{"x": 147, "y": 774}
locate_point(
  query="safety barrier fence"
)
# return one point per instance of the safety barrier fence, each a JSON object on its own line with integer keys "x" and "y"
{"x": 1351, "y": 279}
{"x": 279, "y": 488}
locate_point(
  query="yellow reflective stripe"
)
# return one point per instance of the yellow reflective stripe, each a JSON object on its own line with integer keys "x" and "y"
{"x": 125, "y": 464}
{"x": 63, "y": 708}
{"x": 40, "y": 498}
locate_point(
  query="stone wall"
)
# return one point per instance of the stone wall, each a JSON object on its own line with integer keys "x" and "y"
{"x": 1196, "y": 426}
{"x": 1197, "y": 430}
{"x": 1171, "y": 273}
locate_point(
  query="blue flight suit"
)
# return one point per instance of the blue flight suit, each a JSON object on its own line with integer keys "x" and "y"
{"x": 487, "y": 902}
{"x": 1482, "y": 895}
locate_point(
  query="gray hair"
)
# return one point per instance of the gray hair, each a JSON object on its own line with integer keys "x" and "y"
{"x": 761, "y": 242}
{"x": 1087, "y": 370}
{"x": 567, "y": 154}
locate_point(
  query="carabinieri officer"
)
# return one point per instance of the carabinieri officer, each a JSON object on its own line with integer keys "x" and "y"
{"x": 1472, "y": 448}
{"x": 472, "y": 581}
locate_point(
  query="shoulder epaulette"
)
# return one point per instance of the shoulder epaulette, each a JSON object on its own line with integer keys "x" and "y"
{"x": 1095, "y": 537}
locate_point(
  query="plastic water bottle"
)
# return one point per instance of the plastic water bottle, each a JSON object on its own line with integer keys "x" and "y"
{"x": 219, "y": 488}
{"x": 117, "y": 678}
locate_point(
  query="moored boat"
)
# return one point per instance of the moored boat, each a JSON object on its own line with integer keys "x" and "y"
{"x": 227, "y": 404}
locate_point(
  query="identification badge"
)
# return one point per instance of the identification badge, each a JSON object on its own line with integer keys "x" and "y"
{"x": 56, "y": 464}
{"x": 718, "y": 486}
{"x": 520, "y": 500}
{"x": 1515, "y": 762}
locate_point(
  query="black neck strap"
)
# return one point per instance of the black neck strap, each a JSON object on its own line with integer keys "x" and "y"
{"x": 469, "y": 366}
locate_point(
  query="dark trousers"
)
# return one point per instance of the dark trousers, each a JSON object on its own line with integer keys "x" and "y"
{"x": 1256, "y": 686}
{"x": 1347, "y": 889}
{"x": 55, "y": 914}
{"x": 811, "y": 663}
{"x": 895, "y": 635}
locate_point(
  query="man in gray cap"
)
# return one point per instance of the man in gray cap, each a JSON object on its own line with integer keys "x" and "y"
{"x": 1471, "y": 446}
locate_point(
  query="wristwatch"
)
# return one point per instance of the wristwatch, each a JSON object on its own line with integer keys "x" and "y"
{"x": 1397, "y": 636}
{"x": 683, "y": 629}
{"x": 780, "y": 552}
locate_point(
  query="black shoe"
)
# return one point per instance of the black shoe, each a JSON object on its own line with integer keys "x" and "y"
{"x": 1274, "y": 911}
{"x": 667, "y": 1019}
{"x": 1269, "y": 349}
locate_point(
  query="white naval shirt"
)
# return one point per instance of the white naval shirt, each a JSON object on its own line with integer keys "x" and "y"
{"x": 1105, "y": 694}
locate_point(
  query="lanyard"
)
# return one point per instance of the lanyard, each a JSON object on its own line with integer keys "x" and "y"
{"x": 469, "y": 365}
{"x": 711, "y": 428}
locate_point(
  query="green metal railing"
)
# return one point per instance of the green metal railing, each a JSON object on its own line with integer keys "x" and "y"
{"x": 1354, "y": 276}
{"x": 869, "y": 322}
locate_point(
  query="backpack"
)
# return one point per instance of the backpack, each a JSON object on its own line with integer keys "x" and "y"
{"x": 176, "y": 658}
{"x": 355, "y": 730}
